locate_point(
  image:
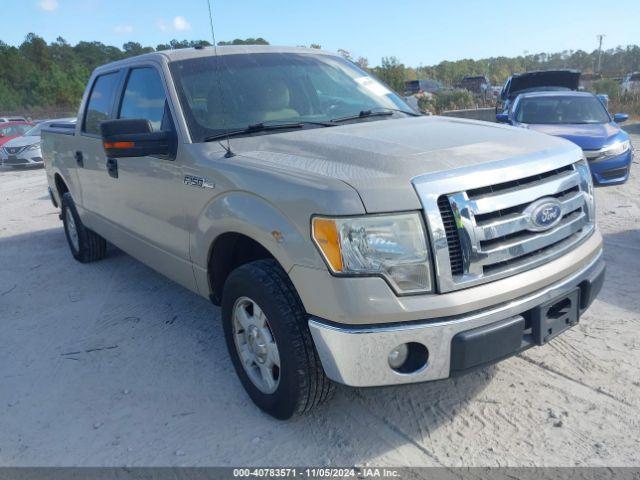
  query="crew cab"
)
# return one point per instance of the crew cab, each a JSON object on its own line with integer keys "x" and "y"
{"x": 346, "y": 238}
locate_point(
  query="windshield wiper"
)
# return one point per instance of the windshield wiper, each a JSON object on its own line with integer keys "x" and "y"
{"x": 411, "y": 114}
{"x": 374, "y": 112}
{"x": 264, "y": 127}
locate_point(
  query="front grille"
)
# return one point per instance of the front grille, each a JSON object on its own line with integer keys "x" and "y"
{"x": 490, "y": 231}
{"x": 614, "y": 173}
{"x": 15, "y": 161}
{"x": 451, "y": 231}
{"x": 13, "y": 150}
{"x": 500, "y": 187}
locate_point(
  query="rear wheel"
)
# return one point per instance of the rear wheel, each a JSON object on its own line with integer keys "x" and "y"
{"x": 269, "y": 341}
{"x": 85, "y": 244}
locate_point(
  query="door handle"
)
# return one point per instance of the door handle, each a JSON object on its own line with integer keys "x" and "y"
{"x": 112, "y": 167}
{"x": 79, "y": 159}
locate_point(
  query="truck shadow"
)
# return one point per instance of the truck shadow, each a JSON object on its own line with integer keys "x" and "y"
{"x": 127, "y": 328}
{"x": 622, "y": 254}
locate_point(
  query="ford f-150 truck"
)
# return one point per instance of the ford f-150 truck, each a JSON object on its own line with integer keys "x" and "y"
{"x": 346, "y": 238}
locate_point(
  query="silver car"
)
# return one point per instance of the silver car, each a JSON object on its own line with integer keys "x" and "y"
{"x": 25, "y": 150}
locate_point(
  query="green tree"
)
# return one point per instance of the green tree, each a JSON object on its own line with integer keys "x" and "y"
{"x": 391, "y": 71}
{"x": 247, "y": 41}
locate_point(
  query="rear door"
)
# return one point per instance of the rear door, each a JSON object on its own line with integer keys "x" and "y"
{"x": 89, "y": 154}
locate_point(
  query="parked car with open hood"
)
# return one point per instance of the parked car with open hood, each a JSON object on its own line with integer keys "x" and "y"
{"x": 25, "y": 149}
{"x": 550, "y": 80}
{"x": 582, "y": 118}
{"x": 345, "y": 237}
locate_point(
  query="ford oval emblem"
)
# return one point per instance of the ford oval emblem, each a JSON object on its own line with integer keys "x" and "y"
{"x": 543, "y": 214}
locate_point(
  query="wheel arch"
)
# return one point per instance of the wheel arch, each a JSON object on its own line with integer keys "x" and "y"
{"x": 241, "y": 227}
{"x": 61, "y": 185}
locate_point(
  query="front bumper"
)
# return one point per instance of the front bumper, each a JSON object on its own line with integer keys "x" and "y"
{"x": 22, "y": 159}
{"x": 612, "y": 171}
{"x": 358, "y": 356}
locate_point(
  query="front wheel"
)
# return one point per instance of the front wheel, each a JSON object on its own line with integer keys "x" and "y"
{"x": 269, "y": 342}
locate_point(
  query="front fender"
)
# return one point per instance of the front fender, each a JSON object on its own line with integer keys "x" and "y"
{"x": 253, "y": 216}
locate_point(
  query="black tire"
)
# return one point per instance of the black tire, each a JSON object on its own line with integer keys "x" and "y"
{"x": 91, "y": 246}
{"x": 303, "y": 384}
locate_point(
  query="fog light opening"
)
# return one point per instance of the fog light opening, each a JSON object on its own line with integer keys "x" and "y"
{"x": 408, "y": 357}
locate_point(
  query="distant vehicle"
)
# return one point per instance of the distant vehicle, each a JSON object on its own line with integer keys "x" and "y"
{"x": 12, "y": 119}
{"x": 479, "y": 84}
{"x": 25, "y": 149}
{"x": 631, "y": 83}
{"x": 412, "y": 87}
{"x": 549, "y": 80}
{"x": 9, "y": 130}
{"x": 581, "y": 118}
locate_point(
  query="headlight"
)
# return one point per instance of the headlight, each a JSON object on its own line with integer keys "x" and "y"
{"x": 616, "y": 149}
{"x": 586, "y": 185}
{"x": 391, "y": 246}
{"x": 35, "y": 146}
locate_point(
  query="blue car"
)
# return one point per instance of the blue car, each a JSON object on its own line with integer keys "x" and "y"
{"x": 582, "y": 118}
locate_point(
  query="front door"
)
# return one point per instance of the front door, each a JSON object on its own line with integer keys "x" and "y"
{"x": 145, "y": 192}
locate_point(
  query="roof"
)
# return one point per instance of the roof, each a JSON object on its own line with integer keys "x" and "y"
{"x": 556, "y": 93}
{"x": 189, "y": 53}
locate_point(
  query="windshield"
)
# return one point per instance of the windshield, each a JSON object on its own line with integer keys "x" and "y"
{"x": 35, "y": 131}
{"x": 557, "y": 110}
{"x": 14, "y": 130}
{"x": 231, "y": 92}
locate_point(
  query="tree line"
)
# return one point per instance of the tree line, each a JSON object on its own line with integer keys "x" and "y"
{"x": 37, "y": 74}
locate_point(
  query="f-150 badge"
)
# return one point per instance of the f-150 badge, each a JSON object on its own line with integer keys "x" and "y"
{"x": 201, "y": 182}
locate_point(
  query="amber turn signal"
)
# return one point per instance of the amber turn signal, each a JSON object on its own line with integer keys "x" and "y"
{"x": 325, "y": 234}
{"x": 119, "y": 145}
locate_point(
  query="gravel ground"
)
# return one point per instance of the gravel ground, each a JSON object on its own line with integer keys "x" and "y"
{"x": 111, "y": 364}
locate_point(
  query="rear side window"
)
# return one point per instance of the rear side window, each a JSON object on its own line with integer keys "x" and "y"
{"x": 100, "y": 102}
{"x": 144, "y": 97}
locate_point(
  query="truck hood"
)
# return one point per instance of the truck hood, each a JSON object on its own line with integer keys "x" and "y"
{"x": 380, "y": 158}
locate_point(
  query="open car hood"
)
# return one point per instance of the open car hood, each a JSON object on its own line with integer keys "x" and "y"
{"x": 569, "y": 79}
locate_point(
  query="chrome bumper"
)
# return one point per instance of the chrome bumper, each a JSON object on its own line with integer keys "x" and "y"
{"x": 359, "y": 356}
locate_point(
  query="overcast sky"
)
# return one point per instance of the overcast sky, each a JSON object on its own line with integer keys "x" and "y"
{"x": 417, "y": 32}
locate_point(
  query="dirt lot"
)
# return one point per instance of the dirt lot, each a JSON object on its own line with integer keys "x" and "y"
{"x": 112, "y": 364}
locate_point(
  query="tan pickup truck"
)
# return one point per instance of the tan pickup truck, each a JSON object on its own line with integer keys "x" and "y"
{"x": 347, "y": 238}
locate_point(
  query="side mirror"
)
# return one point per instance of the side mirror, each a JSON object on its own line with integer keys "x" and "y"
{"x": 620, "y": 117}
{"x": 502, "y": 118}
{"x": 134, "y": 138}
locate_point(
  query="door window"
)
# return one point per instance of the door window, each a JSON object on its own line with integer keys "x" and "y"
{"x": 144, "y": 97}
{"x": 100, "y": 102}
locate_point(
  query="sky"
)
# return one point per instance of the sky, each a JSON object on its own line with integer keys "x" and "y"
{"x": 421, "y": 32}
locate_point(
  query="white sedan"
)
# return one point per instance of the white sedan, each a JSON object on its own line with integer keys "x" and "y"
{"x": 25, "y": 150}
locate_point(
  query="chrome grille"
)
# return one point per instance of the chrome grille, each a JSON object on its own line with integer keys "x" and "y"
{"x": 13, "y": 150}
{"x": 453, "y": 241}
{"x": 486, "y": 233}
